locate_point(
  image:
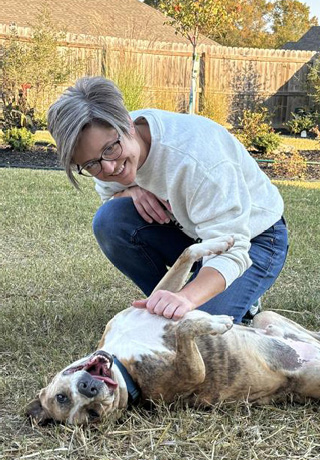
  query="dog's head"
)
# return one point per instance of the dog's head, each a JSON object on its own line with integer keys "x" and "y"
{"x": 82, "y": 393}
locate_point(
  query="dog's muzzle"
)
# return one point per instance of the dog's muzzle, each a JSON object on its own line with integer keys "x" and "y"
{"x": 89, "y": 386}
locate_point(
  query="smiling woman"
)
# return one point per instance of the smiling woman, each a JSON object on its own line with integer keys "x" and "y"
{"x": 92, "y": 168}
{"x": 167, "y": 180}
{"x": 102, "y": 153}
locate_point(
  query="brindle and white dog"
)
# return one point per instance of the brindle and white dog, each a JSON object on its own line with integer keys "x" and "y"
{"x": 201, "y": 359}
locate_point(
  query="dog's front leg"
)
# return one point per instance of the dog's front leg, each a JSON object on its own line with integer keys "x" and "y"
{"x": 189, "y": 362}
{"x": 177, "y": 275}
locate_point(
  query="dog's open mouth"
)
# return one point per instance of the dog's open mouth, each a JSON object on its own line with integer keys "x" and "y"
{"x": 98, "y": 366}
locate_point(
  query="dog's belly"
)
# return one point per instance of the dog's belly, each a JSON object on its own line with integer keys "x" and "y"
{"x": 243, "y": 362}
{"x": 135, "y": 332}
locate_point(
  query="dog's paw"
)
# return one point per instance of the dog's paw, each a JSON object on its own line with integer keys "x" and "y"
{"x": 206, "y": 325}
{"x": 210, "y": 247}
{"x": 220, "y": 324}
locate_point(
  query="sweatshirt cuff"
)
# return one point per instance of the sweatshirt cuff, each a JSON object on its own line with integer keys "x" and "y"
{"x": 229, "y": 269}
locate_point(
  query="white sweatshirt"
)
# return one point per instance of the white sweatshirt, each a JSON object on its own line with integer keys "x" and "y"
{"x": 213, "y": 185}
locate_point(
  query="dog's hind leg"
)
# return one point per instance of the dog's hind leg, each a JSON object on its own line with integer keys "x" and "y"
{"x": 308, "y": 382}
{"x": 177, "y": 275}
{"x": 275, "y": 324}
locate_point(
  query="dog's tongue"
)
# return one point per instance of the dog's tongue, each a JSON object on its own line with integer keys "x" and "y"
{"x": 107, "y": 380}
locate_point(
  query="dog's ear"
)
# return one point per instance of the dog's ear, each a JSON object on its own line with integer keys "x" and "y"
{"x": 36, "y": 413}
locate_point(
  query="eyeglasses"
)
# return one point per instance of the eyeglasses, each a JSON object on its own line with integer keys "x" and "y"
{"x": 94, "y": 167}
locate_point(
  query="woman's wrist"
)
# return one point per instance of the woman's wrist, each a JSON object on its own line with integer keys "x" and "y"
{"x": 207, "y": 284}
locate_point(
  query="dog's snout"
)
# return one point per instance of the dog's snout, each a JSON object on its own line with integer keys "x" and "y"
{"x": 89, "y": 386}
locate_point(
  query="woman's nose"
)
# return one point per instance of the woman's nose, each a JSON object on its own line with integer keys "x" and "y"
{"x": 108, "y": 167}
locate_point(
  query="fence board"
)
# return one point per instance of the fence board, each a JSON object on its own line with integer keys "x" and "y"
{"x": 276, "y": 76}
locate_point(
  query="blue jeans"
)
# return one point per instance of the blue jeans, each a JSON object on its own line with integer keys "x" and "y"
{"x": 143, "y": 252}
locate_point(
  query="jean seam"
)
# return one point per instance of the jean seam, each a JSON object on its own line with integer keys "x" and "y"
{"x": 273, "y": 240}
{"x": 141, "y": 245}
{"x": 271, "y": 263}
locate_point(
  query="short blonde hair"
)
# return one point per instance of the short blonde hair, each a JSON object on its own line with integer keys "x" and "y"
{"x": 91, "y": 100}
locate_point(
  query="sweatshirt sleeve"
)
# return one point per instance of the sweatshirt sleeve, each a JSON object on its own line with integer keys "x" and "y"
{"x": 106, "y": 190}
{"x": 221, "y": 206}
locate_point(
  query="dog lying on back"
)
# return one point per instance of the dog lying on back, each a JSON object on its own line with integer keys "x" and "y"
{"x": 200, "y": 359}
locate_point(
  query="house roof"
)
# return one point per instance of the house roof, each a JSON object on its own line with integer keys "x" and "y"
{"x": 310, "y": 41}
{"x": 114, "y": 18}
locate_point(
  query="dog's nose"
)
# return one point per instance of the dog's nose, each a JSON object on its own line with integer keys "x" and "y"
{"x": 89, "y": 386}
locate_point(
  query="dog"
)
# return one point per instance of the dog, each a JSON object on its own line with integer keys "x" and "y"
{"x": 200, "y": 359}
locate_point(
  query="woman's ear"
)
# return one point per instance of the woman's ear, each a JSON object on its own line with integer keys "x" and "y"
{"x": 132, "y": 127}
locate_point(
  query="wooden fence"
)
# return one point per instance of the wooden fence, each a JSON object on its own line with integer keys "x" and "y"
{"x": 245, "y": 76}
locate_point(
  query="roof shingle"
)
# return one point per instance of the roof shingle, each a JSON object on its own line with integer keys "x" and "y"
{"x": 114, "y": 18}
{"x": 310, "y": 41}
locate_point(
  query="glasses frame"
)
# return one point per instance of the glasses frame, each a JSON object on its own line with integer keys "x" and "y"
{"x": 80, "y": 168}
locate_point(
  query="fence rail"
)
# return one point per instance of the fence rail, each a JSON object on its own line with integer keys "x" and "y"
{"x": 246, "y": 75}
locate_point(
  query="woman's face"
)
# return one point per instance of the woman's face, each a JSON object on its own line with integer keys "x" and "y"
{"x": 95, "y": 139}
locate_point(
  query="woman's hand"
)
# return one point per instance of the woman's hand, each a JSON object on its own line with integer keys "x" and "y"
{"x": 174, "y": 305}
{"x": 147, "y": 204}
{"x": 171, "y": 305}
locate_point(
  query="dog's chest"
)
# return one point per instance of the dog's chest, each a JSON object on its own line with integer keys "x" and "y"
{"x": 134, "y": 333}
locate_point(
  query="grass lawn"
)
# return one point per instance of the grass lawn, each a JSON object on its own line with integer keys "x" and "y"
{"x": 59, "y": 292}
{"x": 301, "y": 143}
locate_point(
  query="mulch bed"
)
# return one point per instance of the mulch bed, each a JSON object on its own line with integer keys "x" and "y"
{"x": 40, "y": 157}
{"x": 43, "y": 157}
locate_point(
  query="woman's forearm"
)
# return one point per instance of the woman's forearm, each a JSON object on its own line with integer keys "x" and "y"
{"x": 207, "y": 284}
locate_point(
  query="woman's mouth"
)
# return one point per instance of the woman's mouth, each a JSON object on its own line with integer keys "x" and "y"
{"x": 119, "y": 171}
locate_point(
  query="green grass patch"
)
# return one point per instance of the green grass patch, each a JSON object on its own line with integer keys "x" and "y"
{"x": 301, "y": 143}
{"x": 44, "y": 137}
{"x": 59, "y": 291}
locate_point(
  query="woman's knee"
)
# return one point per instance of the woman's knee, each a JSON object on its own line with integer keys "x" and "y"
{"x": 112, "y": 219}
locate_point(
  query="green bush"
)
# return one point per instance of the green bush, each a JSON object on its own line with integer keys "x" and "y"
{"x": 256, "y": 131}
{"x": 40, "y": 121}
{"x": 301, "y": 122}
{"x": 266, "y": 142}
{"x": 16, "y": 111}
{"x": 20, "y": 139}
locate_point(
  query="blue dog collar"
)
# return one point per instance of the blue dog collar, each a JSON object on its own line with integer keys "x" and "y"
{"x": 132, "y": 388}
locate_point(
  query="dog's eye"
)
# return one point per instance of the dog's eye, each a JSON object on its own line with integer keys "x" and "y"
{"x": 61, "y": 398}
{"x": 93, "y": 414}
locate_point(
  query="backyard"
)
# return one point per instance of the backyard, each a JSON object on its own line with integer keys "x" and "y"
{"x": 59, "y": 292}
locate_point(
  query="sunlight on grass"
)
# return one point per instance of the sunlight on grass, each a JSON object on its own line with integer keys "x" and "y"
{"x": 44, "y": 137}
{"x": 298, "y": 183}
{"x": 301, "y": 143}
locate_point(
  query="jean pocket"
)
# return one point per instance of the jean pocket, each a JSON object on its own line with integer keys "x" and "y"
{"x": 263, "y": 248}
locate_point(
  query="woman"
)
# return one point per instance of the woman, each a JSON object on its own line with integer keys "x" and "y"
{"x": 167, "y": 180}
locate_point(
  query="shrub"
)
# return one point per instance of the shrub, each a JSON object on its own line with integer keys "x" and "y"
{"x": 16, "y": 111}
{"x": 127, "y": 76}
{"x": 289, "y": 163}
{"x": 168, "y": 101}
{"x": 19, "y": 138}
{"x": 32, "y": 71}
{"x": 256, "y": 131}
{"x": 40, "y": 120}
{"x": 313, "y": 79}
{"x": 266, "y": 142}
{"x": 216, "y": 107}
{"x": 301, "y": 122}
